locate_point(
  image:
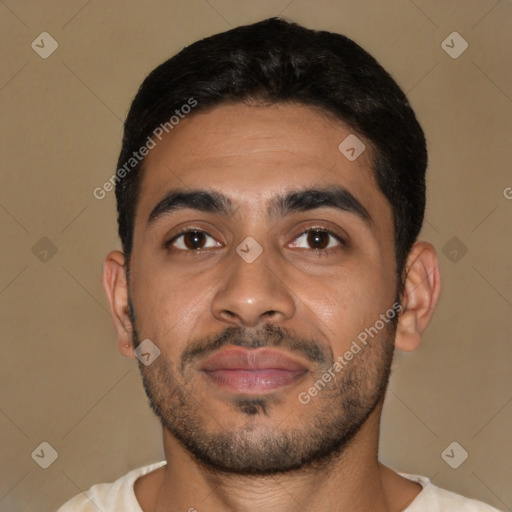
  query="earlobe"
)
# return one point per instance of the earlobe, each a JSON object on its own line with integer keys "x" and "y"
{"x": 422, "y": 289}
{"x": 116, "y": 289}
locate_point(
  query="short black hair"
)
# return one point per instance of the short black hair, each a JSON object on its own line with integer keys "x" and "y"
{"x": 278, "y": 61}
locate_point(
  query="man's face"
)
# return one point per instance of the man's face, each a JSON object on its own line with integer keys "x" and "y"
{"x": 241, "y": 333}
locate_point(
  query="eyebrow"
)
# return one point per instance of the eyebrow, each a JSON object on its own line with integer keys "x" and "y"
{"x": 209, "y": 201}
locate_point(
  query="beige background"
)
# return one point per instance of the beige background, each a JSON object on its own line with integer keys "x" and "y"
{"x": 62, "y": 380}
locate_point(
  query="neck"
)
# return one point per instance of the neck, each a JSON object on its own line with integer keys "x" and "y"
{"x": 354, "y": 480}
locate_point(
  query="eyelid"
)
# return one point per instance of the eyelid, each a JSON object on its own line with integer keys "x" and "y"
{"x": 168, "y": 242}
{"x": 191, "y": 229}
{"x": 341, "y": 239}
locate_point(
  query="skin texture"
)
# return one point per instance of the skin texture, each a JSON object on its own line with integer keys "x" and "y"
{"x": 294, "y": 296}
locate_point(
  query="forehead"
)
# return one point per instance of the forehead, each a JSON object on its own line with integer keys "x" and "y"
{"x": 252, "y": 153}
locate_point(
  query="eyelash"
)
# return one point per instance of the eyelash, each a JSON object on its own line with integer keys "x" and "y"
{"x": 324, "y": 252}
{"x": 319, "y": 252}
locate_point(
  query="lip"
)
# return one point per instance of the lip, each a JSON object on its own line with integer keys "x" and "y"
{"x": 252, "y": 370}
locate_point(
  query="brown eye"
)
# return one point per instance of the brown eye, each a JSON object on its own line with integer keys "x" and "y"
{"x": 192, "y": 240}
{"x": 318, "y": 239}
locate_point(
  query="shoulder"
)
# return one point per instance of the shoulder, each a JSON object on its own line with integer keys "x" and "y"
{"x": 118, "y": 495}
{"x": 435, "y": 499}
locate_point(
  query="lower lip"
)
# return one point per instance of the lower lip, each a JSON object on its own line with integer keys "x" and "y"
{"x": 255, "y": 381}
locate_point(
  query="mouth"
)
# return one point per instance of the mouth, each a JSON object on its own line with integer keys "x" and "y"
{"x": 252, "y": 371}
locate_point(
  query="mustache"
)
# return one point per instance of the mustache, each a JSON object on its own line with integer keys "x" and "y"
{"x": 269, "y": 335}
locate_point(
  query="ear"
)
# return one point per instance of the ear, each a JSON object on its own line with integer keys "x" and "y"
{"x": 116, "y": 289}
{"x": 419, "y": 299}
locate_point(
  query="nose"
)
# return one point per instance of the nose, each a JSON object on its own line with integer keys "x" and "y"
{"x": 253, "y": 293}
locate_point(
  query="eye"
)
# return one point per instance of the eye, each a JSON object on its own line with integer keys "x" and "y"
{"x": 318, "y": 239}
{"x": 191, "y": 240}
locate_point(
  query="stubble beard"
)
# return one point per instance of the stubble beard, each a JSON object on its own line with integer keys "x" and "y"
{"x": 256, "y": 447}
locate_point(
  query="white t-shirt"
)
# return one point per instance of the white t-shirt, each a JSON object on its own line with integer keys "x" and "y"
{"x": 120, "y": 496}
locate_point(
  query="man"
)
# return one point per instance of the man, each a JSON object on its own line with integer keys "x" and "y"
{"x": 270, "y": 190}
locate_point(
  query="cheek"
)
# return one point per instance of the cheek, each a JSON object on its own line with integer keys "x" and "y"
{"x": 174, "y": 306}
{"x": 345, "y": 302}
{"x": 165, "y": 305}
